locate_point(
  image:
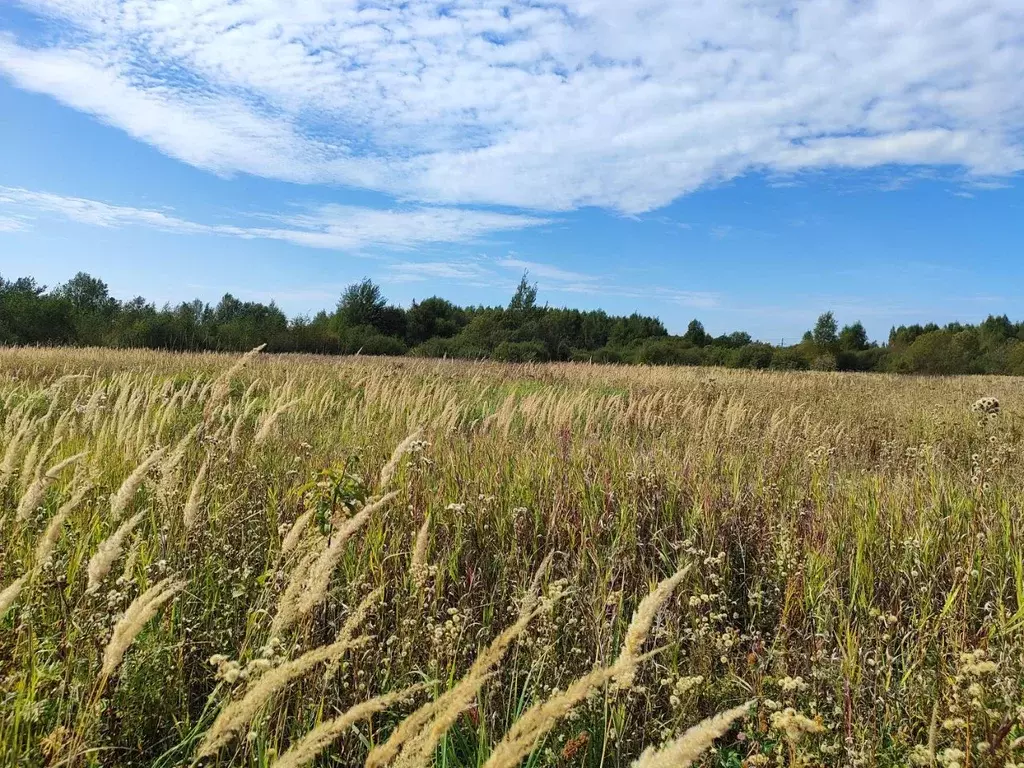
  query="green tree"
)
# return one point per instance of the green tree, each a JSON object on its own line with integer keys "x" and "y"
{"x": 524, "y": 300}
{"x": 87, "y": 294}
{"x": 696, "y": 335}
{"x": 362, "y": 303}
{"x": 853, "y": 338}
{"x": 433, "y": 317}
{"x": 93, "y": 307}
{"x": 825, "y": 333}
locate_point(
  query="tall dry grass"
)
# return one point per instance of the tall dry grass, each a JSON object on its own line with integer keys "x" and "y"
{"x": 854, "y": 550}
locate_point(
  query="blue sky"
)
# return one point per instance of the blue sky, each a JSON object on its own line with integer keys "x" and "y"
{"x": 750, "y": 164}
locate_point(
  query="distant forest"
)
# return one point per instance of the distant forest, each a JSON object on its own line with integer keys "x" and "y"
{"x": 81, "y": 312}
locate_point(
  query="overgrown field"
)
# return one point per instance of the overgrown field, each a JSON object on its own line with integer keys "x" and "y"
{"x": 394, "y": 561}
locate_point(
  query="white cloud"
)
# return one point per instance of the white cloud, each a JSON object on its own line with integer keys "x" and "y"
{"x": 592, "y": 102}
{"x": 334, "y": 227}
{"x": 695, "y": 299}
{"x": 466, "y": 272}
{"x": 546, "y": 270}
{"x": 12, "y": 224}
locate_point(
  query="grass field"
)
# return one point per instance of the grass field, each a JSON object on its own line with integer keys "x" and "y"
{"x": 390, "y": 561}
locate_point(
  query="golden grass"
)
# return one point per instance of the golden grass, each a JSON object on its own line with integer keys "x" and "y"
{"x": 577, "y": 562}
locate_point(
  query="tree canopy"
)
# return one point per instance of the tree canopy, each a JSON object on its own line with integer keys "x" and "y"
{"x": 82, "y": 312}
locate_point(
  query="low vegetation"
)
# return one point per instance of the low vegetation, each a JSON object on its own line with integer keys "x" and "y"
{"x": 292, "y": 560}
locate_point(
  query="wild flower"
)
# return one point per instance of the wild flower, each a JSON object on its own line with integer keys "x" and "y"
{"x": 986, "y": 405}
{"x": 794, "y": 724}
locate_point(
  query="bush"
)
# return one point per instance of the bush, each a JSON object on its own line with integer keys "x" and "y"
{"x": 520, "y": 352}
{"x": 789, "y": 359}
{"x": 602, "y": 355}
{"x": 755, "y": 355}
{"x": 871, "y": 359}
{"x": 940, "y": 353}
{"x": 435, "y": 347}
{"x": 824, "y": 362}
{"x": 668, "y": 351}
{"x": 366, "y": 340}
{"x": 1015, "y": 359}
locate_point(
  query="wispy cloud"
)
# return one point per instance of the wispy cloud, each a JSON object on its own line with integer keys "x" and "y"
{"x": 495, "y": 273}
{"x": 546, "y": 270}
{"x": 987, "y": 184}
{"x": 695, "y": 299}
{"x": 626, "y": 105}
{"x": 335, "y": 227}
{"x": 12, "y": 224}
{"x": 465, "y": 272}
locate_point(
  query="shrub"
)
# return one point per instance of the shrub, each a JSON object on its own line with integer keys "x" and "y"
{"x": 789, "y": 359}
{"x": 520, "y": 352}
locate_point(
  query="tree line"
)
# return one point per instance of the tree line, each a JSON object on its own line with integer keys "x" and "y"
{"x": 82, "y": 312}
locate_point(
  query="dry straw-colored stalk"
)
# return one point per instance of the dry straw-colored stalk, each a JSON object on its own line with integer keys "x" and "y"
{"x": 28, "y": 466}
{"x": 240, "y": 422}
{"x": 142, "y": 609}
{"x": 933, "y": 734}
{"x": 539, "y": 719}
{"x": 316, "y": 741}
{"x": 54, "y": 472}
{"x": 682, "y": 752}
{"x": 413, "y": 742}
{"x": 169, "y": 468}
{"x": 195, "y": 496}
{"x": 119, "y": 501}
{"x": 352, "y": 623}
{"x": 12, "y": 449}
{"x": 222, "y": 385}
{"x": 238, "y": 714}
{"x": 268, "y": 423}
{"x": 46, "y": 543}
{"x": 10, "y": 593}
{"x": 418, "y": 564}
{"x": 387, "y": 472}
{"x": 288, "y": 604}
{"x": 298, "y": 601}
{"x": 109, "y": 550}
{"x": 294, "y": 535}
{"x": 33, "y": 497}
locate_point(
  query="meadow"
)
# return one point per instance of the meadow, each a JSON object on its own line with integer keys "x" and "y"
{"x": 291, "y": 560}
